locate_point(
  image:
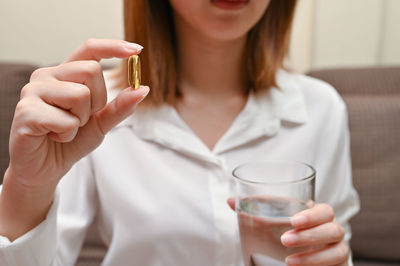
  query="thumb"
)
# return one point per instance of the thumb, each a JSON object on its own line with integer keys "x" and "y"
{"x": 231, "y": 203}
{"x": 120, "y": 108}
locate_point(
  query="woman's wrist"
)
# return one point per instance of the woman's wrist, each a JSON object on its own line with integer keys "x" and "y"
{"x": 21, "y": 207}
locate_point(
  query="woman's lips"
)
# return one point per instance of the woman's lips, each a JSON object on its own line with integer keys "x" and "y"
{"x": 230, "y": 4}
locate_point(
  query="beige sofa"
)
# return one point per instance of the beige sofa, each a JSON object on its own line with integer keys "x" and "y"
{"x": 372, "y": 96}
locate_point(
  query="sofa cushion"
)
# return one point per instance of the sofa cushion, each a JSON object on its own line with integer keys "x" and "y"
{"x": 367, "y": 80}
{"x": 375, "y": 263}
{"x": 373, "y": 101}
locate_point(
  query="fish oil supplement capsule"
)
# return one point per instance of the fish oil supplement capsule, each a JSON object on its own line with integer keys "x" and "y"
{"x": 134, "y": 71}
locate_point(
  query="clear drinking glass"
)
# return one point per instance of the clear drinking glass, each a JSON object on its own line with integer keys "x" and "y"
{"x": 267, "y": 194}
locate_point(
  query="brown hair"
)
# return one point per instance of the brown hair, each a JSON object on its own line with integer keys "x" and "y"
{"x": 150, "y": 23}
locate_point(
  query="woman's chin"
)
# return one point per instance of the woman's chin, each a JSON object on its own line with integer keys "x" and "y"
{"x": 226, "y": 37}
{"x": 226, "y": 32}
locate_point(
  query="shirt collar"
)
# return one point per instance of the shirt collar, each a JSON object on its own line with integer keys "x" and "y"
{"x": 261, "y": 116}
{"x": 288, "y": 101}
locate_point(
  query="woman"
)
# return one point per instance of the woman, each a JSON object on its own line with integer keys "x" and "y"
{"x": 160, "y": 179}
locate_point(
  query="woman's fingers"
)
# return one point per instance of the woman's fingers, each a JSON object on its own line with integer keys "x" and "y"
{"x": 315, "y": 227}
{"x": 103, "y": 121}
{"x": 83, "y": 67}
{"x": 326, "y": 233}
{"x": 96, "y": 49}
{"x": 72, "y": 97}
{"x": 120, "y": 108}
{"x": 318, "y": 214}
{"x": 231, "y": 203}
{"x": 88, "y": 73}
{"x": 336, "y": 254}
{"x": 37, "y": 118}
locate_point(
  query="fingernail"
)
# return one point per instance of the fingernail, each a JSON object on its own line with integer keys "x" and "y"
{"x": 289, "y": 238}
{"x": 298, "y": 220}
{"x": 293, "y": 261}
{"x": 143, "y": 91}
{"x": 133, "y": 47}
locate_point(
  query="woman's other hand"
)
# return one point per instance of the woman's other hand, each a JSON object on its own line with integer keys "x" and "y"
{"x": 317, "y": 229}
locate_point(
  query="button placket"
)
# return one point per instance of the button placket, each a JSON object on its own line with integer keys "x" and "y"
{"x": 224, "y": 217}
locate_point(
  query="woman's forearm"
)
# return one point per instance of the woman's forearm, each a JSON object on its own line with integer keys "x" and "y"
{"x": 22, "y": 208}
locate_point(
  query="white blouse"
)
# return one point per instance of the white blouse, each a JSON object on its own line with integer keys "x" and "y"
{"x": 161, "y": 195}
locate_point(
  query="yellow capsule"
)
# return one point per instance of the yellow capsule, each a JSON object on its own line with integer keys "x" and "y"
{"x": 134, "y": 71}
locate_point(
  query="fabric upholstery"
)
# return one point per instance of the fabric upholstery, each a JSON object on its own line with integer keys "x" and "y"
{"x": 375, "y": 263}
{"x": 367, "y": 80}
{"x": 372, "y": 96}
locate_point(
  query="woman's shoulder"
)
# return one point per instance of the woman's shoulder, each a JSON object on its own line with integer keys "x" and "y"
{"x": 317, "y": 94}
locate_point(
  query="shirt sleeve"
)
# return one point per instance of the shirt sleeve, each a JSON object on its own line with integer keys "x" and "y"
{"x": 334, "y": 175}
{"x": 36, "y": 247}
{"x": 58, "y": 239}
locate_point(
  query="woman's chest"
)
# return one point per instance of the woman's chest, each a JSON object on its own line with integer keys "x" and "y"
{"x": 155, "y": 198}
{"x": 167, "y": 203}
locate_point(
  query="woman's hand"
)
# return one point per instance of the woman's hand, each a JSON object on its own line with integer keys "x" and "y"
{"x": 316, "y": 228}
{"x": 316, "y": 231}
{"x": 62, "y": 116}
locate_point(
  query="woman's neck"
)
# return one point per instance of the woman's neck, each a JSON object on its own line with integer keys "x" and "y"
{"x": 209, "y": 68}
